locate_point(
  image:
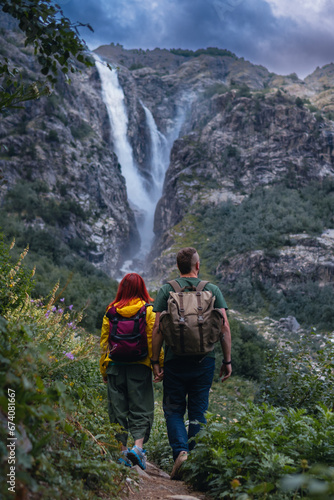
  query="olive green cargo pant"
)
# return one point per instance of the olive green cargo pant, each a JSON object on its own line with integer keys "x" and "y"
{"x": 130, "y": 400}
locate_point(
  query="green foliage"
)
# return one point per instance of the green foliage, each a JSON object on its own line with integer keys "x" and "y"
{"x": 216, "y": 88}
{"x": 81, "y": 131}
{"x": 299, "y": 102}
{"x": 26, "y": 200}
{"x": 56, "y": 44}
{"x": 210, "y": 51}
{"x": 80, "y": 282}
{"x": 65, "y": 445}
{"x": 15, "y": 279}
{"x": 309, "y": 302}
{"x": 299, "y": 373}
{"x": 136, "y": 66}
{"x": 246, "y": 457}
{"x": 248, "y": 350}
{"x": 264, "y": 221}
{"x": 266, "y": 217}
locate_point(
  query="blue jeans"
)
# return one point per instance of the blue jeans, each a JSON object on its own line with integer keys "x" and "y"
{"x": 182, "y": 378}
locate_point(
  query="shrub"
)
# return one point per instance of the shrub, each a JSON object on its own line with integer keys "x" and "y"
{"x": 248, "y": 351}
{"x": 299, "y": 373}
{"x": 246, "y": 458}
{"x": 65, "y": 446}
{"x": 81, "y": 131}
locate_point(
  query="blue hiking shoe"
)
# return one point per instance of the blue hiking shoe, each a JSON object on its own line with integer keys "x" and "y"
{"x": 124, "y": 459}
{"x": 137, "y": 457}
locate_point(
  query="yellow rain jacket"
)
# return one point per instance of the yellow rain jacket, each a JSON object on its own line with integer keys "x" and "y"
{"x": 129, "y": 310}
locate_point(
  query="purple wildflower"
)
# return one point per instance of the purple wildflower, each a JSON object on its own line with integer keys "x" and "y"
{"x": 47, "y": 314}
{"x": 62, "y": 300}
{"x": 68, "y": 355}
{"x": 54, "y": 309}
{"x": 70, "y": 324}
{"x": 70, "y": 307}
{"x": 60, "y": 311}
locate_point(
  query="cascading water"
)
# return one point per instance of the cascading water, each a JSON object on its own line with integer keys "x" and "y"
{"x": 139, "y": 199}
{"x": 160, "y": 149}
{"x": 142, "y": 201}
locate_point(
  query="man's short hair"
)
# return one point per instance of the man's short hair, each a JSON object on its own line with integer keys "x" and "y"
{"x": 186, "y": 259}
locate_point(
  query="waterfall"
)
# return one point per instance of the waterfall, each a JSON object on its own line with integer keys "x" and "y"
{"x": 160, "y": 149}
{"x": 140, "y": 200}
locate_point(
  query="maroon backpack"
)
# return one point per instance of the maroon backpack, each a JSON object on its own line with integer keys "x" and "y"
{"x": 127, "y": 336}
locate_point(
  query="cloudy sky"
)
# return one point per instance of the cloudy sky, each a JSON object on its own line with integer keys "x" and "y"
{"x": 283, "y": 35}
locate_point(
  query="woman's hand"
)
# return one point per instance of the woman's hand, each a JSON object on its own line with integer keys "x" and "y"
{"x": 158, "y": 373}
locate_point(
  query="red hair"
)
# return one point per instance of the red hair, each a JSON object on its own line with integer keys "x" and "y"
{"x": 131, "y": 287}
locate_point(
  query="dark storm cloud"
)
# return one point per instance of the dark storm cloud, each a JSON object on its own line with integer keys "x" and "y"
{"x": 247, "y": 27}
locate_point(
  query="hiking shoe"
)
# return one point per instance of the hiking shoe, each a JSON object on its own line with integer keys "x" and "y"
{"x": 182, "y": 457}
{"x": 137, "y": 457}
{"x": 124, "y": 459}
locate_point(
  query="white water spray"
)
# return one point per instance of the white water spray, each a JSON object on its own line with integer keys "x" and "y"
{"x": 160, "y": 149}
{"x": 140, "y": 201}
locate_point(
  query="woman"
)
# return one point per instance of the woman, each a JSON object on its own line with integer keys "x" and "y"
{"x": 126, "y": 340}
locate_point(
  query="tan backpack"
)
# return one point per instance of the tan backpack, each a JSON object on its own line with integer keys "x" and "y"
{"x": 191, "y": 325}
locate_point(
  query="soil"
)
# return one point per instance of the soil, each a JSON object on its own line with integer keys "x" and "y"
{"x": 155, "y": 484}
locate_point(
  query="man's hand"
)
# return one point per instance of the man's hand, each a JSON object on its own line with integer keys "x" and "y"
{"x": 225, "y": 370}
{"x": 158, "y": 373}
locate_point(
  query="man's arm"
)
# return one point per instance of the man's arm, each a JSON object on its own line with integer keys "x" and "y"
{"x": 226, "y": 342}
{"x": 157, "y": 340}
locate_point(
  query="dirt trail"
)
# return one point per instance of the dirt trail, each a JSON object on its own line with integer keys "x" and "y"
{"x": 154, "y": 484}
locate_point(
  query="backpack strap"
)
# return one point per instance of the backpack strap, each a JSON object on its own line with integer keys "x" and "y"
{"x": 200, "y": 319}
{"x": 201, "y": 285}
{"x": 174, "y": 284}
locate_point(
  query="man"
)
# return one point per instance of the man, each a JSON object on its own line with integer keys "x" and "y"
{"x": 187, "y": 375}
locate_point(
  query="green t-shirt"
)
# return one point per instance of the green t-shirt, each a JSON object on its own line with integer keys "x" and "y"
{"x": 160, "y": 304}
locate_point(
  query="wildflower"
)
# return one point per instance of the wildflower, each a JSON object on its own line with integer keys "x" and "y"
{"x": 70, "y": 307}
{"x": 47, "y": 314}
{"x": 235, "y": 483}
{"x": 70, "y": 324}
{"x": 304, "y": 464}
{"x": 62, "y": 300}
{"x": 54, "y": 309}
{"x": 71, "y": 384}
{"x": 68, "y": 355}
{"x": 60, "y": 311}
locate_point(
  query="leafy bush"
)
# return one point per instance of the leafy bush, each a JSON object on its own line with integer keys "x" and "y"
{"x": 136, "y": 66}
{"x": 246, "y": 458}
{"x": 15, "y": 279}
{"x": 216, "y": 88}
{"x": 210, "y": 51}
{"x": 65, "y": 446}
{"x": 299, "y": 373}
{"x": 248, "y": 351}
{"x": 81, "y": 131}
{"x": 26, "y": 200}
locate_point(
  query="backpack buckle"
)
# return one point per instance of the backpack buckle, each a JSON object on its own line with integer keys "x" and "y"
{"x": 182, "y": 319}
{"x": 200, "y": 319}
